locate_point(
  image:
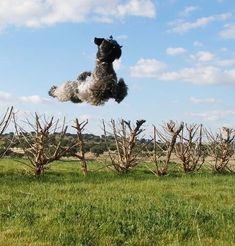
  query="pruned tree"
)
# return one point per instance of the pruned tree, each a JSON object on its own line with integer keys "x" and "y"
{"x": 125, "y": 136}
{"x": 4, "y": 122}
{"x": 221, "y": 148}
{"x": 80, "y": 144}
{"x": 164, "y": 143}
{"x": 43, "y": 144}
{"x": 189, "y": 147}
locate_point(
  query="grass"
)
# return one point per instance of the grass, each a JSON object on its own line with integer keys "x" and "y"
{"x": 64, "y": 208}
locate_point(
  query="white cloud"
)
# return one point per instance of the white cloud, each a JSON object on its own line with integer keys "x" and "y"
{"x": 122, "y": 37}
{"x": 203, "y": 56}
{"x": 224, "y": 49}
{"x": 181, "y": 26}
{"x": 199, "y": 74}
{"x": 37, "y": 13}
{"x": 175, "y": 51}
{"x": 188, "y": 10}
{"x": 147, "y": 68}
{"x": 197, "y": 44}
{"x": 137, "y": 7}
{"x": 35, "y": 99}
{"x": 5, "y": 96}
{"x": 214, "y": 115}
{"x": 225, "y": 63}
{"x": 85, "y": 117}
{"x": 209, "y": 100}
{"x": 202, "y": 75}
{"x": 117, "y": 64}
{"x": 207, "y": 57}
{"x": 228, "y": 32}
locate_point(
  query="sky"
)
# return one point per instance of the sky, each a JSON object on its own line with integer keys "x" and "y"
{"x": 178, "y": 58}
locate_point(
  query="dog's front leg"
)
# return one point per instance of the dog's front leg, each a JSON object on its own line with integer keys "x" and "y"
{"x": 121, "y": 90}
{"x": 83, "y": 76}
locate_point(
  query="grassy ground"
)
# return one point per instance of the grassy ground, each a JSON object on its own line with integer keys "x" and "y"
{"x": 138, "y": 208}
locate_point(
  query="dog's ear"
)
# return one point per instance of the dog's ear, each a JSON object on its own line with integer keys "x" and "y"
{"x": 98, "y": 41}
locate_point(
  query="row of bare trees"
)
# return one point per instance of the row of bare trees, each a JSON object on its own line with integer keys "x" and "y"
{"x": 190, "y": 145}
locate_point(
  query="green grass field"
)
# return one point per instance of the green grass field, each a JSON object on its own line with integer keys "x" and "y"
{"x": 64, "y": 208}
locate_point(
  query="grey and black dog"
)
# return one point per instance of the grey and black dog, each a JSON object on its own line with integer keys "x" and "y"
{"x": 98, "y": 87}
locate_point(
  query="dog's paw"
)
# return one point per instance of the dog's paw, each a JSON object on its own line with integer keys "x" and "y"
{"x": 121, "y": 91}
{"x": 51, "y": 92}
{"x": 74, "y": 99}
{"x": 83, "y": 76}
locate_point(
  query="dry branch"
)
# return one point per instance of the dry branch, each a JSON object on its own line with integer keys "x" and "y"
{"x": 5, "y": 120}
{"x": 79, "y": 142}
{"x": 164, "y": 143}
{"x": 221, "y": 148}
{"x": 189, "y": 148}
{"x": 125, "y": 136}
{"x": 40, "y": 146}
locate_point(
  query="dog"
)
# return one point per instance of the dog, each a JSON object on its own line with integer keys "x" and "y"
{"x": 98, "y": 87}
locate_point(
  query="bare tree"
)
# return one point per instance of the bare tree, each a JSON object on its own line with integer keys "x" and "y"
{"x": 189, "y": 148}
{"x": 43, "y": 144}
{"x": 125, "y": 136}
{"x": 221, "y": 148}
{"x": 79, "y": 142}
{"x": 164, "y": 142}
{"x": 4, "y": 122}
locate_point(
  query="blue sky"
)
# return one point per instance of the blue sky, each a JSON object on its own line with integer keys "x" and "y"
{"x": 178, "y": 57}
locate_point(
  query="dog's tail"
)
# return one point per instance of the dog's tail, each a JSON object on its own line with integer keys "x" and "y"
{"x": 122, "y": 90}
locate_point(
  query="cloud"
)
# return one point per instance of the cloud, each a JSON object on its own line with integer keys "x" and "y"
{"x": 203, "y": 56}
{"x": 33, "y": 99}
{"x": 225, "y": 63}
{"x": 214, "y": 115}
{"x": 197, "y": 44}
{"x": 228, "y": 32}
{"x": 209, "y": 100}
{"x": 206, "y": 69}
{"x": 122, "y": 37}
{"x": 37, "y": 13}
{"x": 150, "y": 68}
{"x": 188, "y": 10}
{"x": 175, "y": 51}
{"x": 117, "y": 64}
{"x": 200, "y": 74}
{"x": 5, "y": 96}
{"x": 144, "y": 8}
{"x": 182, "y": 26}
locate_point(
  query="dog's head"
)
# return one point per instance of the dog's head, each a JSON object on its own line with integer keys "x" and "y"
{"x": 108, "y": 49}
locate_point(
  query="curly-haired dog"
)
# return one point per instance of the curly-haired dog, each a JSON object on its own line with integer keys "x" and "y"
{"x": 98, "y": 87}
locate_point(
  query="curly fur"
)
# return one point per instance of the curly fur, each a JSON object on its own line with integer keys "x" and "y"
{"x": 98, "y": 87}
